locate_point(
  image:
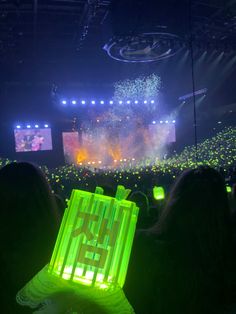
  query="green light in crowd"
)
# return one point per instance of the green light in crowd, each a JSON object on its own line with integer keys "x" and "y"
{"x": 95, "y": 239}
{"x": 158, "y": 193}
{"x": 228, "y": 189}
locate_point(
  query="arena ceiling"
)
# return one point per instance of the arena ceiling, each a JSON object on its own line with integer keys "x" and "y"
{"x": 53, "y": 30}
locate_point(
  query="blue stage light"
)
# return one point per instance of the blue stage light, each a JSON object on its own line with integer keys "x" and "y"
{"x": 74, "y": 102}
{"x": 128, "y": 102}
{"x": 28, "y": 126}
{"x": 153, "y": 122}
{"x": 120, "y": 102}
{"x": 102, "y": 102}
{"x": 152, "y": 101}
{"x": 93, "y": 102}
{"x": 111, "y": 102}
{"x": 161, "y": 121}
{"x": 46, "y": 125}
{"x": 136, "y": 102}
{"x": 166, "y": 121}
{"x": 36, "y": 126}
{"x": 64, "y": 102}
{"x": 145, "y": 101}
{"x": 173, "y": 121}
{"x": 83, "y": 102}
{"x": 18, "y": 126}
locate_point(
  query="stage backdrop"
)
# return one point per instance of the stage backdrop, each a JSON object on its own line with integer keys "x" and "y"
{"x": 105, "y": 147}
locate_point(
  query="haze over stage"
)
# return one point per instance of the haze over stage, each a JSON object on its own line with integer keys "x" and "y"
{"x": 100, "y": 147}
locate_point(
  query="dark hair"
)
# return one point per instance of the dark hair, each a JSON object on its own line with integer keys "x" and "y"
{"x": 142, "y": 202}
{"x": 29, "y": 223}
{"x": 197, "y": 211}
{"x": 196, "y": 223}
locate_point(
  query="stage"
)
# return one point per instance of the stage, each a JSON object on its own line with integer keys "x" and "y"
{"x": 106, "y": 147}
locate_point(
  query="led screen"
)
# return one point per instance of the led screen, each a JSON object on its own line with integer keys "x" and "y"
{"x": 33, "y": 140}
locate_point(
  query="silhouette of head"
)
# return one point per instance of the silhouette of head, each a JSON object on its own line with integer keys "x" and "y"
{"x": 197, "y": 211}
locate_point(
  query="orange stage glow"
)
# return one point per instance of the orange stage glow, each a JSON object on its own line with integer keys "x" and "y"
{"x": 81, "y": 155}
{"x": 105, "y": 148}
{"x": 114, "y": 152}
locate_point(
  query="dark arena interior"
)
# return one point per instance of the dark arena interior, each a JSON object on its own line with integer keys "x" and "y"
{"x": 135, "y": 100}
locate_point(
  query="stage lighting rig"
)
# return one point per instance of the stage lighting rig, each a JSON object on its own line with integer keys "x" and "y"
{"x": 144, "y": 47}
{"x": 196, "y": 93}
{"x": 146, "y": 31}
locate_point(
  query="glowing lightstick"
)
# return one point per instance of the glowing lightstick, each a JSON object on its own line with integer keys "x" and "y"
{"x": 95, "y": 239}
{"x": 228, "y": 189}
{"x": 158, "y": 193}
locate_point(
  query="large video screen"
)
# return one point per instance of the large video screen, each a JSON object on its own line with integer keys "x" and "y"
{"x": 33, "y": 140}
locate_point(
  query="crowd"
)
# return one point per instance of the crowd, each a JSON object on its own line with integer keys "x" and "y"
{"x": 218, "y": 152}
{"x": 184, "y": 251}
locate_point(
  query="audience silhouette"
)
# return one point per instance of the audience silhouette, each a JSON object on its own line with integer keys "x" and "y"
{"x": 185, "y": 263}
{"x": 29, "y": 225}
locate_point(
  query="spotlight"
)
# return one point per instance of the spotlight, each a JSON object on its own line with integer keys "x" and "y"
{"x": 46, "y": 125}
{"x": 128, "y": 102}
{"x": 111, "y": 102}
{"x": 166, "y": 121}
{"x": 18, "y": 126}
{"x": 99, "y": 161}
{"x": 64, "y": 102}
{"x": 136, "y": 102}
{"x": 145, "y": 102}
{"x": 28, "y": 126}
{"x": 153, "y": 122}
{"x": 152, "y": 101}
{"x": 36, "y": 126}
{"x": 93, "y": 102}
{"x": 74, "y": 102}
{"x": 102, "y": 102}
{"x": 173, "y": 121}
{"x": 83, "y": 102}
{"x": 161, "y": 121}
{"x": 120, "y": 102}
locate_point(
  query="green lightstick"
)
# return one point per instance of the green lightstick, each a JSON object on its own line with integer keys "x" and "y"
{"x": 228, "y": 189}
{"x": 95, "y": 239}
{"x": 158, "y": 193}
